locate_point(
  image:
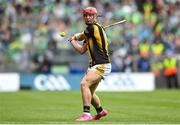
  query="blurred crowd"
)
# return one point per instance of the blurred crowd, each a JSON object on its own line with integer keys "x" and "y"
{"x": 30, "y": 40}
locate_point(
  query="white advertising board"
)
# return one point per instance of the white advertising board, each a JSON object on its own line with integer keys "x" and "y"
{"x": 9, "y": 82}
{"x": 51, "y": 82}
{"x": 128, "y": 82}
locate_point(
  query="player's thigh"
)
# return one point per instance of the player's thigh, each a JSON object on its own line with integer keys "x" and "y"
{"x": 85, "y": 81}
{"x": 93, "y": 77}
{"x": 90, "y": 78}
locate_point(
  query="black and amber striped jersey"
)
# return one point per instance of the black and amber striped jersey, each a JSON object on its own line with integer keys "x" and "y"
{"x": 97, "y": 44}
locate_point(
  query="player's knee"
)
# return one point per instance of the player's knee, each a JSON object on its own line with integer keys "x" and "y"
{"x": 84, "y": 84}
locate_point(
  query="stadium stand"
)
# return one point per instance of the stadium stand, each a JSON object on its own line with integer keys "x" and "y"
{"x": 30, "y": 41}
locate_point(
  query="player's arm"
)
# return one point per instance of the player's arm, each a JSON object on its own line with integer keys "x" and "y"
{"x": 81, "y": 49}
{"x": 78, "y": 37}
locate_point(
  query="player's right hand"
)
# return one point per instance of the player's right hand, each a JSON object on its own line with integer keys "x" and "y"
{"x": 79, "y": 36}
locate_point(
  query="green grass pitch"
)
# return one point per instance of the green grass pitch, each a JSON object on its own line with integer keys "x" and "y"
{"x": 160, "y": 106}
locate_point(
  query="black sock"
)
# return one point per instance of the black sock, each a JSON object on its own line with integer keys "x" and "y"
{"x": 98, "y": 110}
{"x": 86, "y": 109}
